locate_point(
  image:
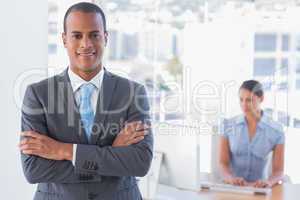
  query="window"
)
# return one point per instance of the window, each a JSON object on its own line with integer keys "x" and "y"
{"x": 282, "y": 86}
{"x": 264, "y": 66}
{"x": 52, "y": 48}
{"x": 298, "y": 84}
{"x": 267, "y": 86}
{"x": 296, "y": 123}
{"x": 265, "y": 42}
{"x": 285, "y": 46}
{"x": 52, "y": 28}
{"x": 283, "y": 118}
{"x": 297, "y": 42}
{"x": 112, "y": 45}
{"x": 174, "y": 45}
{"x": 297, "y": 67}
{"x": 129, "y": 46}
{"x": 284, "y": 69}
{"x": 268, "y": 112}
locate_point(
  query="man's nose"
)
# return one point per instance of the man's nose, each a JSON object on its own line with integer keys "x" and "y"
{"x": 86, "y": 42}
{"x": 243, "y": 104}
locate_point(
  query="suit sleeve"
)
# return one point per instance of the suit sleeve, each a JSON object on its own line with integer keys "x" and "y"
{"x": 37, "y": 169}
{"x": 133, "y": 160}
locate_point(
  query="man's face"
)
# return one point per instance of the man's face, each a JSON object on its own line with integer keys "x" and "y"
{"x": 85, "y": 40}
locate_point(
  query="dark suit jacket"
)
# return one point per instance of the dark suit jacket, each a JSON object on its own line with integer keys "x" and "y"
{"x": 101, "y": 171}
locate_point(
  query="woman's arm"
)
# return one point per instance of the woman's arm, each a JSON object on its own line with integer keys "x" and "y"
{"x": 277, "y": 165}
{"x": 224, "y": 164}
{"x": 277, "y": 169}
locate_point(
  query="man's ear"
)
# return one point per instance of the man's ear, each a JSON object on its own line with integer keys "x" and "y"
{"x": 64, "y": 39}
{"x": 262, "y": 99}
{"x": 105, "y": 37}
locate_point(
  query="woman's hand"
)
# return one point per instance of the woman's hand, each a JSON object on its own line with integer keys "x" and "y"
{"x": 262, "y": 184}
{"x": 239, "y": 181}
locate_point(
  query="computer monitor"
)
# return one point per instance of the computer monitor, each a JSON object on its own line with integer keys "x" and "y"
{"x": 179, "y": 143}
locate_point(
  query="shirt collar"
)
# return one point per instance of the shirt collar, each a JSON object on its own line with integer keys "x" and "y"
{"x": 263, "y": 120}
{"x": 241, "y": 119}
{"x": 77, "y": 81}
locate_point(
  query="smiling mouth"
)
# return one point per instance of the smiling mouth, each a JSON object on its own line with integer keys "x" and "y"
{"x": 89, "y": 54}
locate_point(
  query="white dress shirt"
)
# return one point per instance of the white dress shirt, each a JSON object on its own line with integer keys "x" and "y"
{"x": 76, "y": 82}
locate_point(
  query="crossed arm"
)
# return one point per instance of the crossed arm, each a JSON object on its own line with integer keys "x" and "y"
{"x": 47, "y": 160}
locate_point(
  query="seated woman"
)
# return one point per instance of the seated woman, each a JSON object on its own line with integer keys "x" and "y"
{"x": 248, "y": 139}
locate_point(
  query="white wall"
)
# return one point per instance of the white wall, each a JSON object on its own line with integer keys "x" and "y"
{"x": 23, "y": 40}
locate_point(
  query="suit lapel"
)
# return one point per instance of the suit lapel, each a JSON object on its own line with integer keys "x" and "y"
{"x": 103, "y": 105}
{"x": 71, "y": 111}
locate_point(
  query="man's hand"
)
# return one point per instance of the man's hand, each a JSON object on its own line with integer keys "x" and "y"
{"x": 46, "y": 147}
{"x": 132, "y": 133}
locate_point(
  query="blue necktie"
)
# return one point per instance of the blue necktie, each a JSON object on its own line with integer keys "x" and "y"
{"x": 86, "y": 109}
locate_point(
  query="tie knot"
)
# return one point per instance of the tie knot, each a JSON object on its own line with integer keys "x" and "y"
{"x": 86, "y": 90}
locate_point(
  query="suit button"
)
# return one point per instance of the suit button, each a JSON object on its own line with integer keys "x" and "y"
{"x": 89, "y": 165}
{"x": 86, "y": 165}
{"x": 96, "y": 166}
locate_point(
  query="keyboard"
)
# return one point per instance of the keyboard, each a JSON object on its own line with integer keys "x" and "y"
{"x": 222, "y": 187}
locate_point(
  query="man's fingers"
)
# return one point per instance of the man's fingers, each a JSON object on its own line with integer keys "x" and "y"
{"x": 137, "y": 134}
{"x": 31, "y": 134}
{"x": 31, "y": 152}
{"x": 142, "y": 126}
{"x": 136, "y": 140}
{"x": 30, "y": 140}
{"x": 132, "y": 125}
{"x": 141, "y": 133}
{"x": 30, "y": 146}
{"x": 129, "y": 135}
{"x": 136, "y": 126}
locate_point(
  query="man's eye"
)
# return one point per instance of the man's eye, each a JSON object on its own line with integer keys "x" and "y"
{"x": 76, "y": 36}
{"x": 95, "y": 35}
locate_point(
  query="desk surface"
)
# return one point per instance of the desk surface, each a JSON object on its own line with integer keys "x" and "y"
{"x": 279, "y": 192}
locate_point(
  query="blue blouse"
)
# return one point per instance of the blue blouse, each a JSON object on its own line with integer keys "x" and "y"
{"x": 249, "y": 157}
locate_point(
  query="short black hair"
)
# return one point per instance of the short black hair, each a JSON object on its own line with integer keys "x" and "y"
{"x": 253, "y": 86}
{"x": 87, "y": 8}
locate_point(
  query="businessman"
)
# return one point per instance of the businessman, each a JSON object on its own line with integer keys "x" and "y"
{"x": 84, "y": 132}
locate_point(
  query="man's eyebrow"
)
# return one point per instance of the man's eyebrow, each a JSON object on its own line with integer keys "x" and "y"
{"x": 96, "y": 31}
{"x": 75, "y": 32}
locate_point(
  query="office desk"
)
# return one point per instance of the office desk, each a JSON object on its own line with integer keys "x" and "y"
{"x": 279, "y": 192}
